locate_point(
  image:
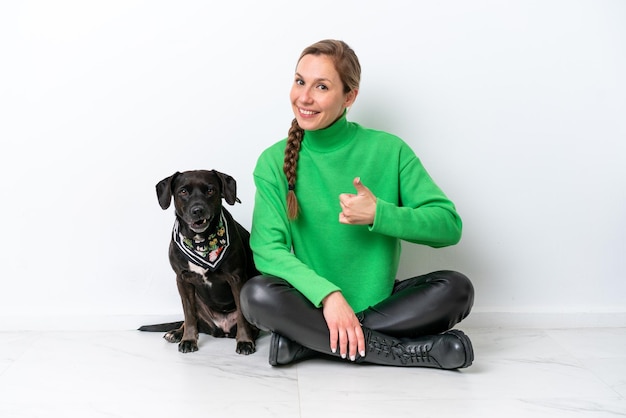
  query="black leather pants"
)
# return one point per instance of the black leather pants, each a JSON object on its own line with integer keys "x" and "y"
{"x": 423, "y": 305}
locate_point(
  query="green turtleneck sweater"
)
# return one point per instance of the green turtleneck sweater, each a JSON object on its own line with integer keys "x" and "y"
{"x": 319, "y": 255}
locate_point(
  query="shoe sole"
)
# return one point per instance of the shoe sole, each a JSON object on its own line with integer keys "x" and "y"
{"x": 467, "y": 345}
{"x": 273, "y": 356}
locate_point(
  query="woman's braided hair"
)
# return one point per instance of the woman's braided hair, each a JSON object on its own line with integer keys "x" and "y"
{"x": 349, "y": 69}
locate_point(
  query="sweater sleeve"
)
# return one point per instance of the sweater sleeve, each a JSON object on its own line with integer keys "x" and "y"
{"x": 271, "y": 240}
{"x": 424, "y": 214}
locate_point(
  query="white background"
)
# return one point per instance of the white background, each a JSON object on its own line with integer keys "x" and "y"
{"x": 517, "y": 109}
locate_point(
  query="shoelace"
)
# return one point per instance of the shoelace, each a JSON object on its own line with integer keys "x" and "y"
{"x": 395, "y": 349}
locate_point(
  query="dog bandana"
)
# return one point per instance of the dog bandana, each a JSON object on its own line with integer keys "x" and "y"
{"x": 206, "y": 252}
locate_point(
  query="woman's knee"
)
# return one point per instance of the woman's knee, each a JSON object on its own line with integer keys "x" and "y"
{"x": 462, "y": 283}
{"x": 462, "y": 291}
{"x": 458, "y": 284}
{"x": 253, "y": 290}
{"x": 263, "y": 297}
{"x": 453, "y": 288}
{"x": 255, "y": 298}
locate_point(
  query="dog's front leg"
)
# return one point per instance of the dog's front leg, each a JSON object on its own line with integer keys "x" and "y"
{"x": 246, "y": 333}
{"x": 189, "y": 342}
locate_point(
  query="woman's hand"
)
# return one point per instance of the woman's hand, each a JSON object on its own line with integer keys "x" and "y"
{"x": 345, "y": 329}
{"x": 359, "y": 208}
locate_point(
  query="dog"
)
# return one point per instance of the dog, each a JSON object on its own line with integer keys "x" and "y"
{"x": 210, "y": 253}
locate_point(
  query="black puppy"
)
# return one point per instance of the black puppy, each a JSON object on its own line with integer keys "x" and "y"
{"x": 210, "y": 254}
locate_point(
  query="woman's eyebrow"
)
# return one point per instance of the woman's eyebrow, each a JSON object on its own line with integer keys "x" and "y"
{"x": 317, "y": 80}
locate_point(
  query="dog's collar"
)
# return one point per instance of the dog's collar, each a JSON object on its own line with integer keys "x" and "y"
{"x": 208, "y": 252}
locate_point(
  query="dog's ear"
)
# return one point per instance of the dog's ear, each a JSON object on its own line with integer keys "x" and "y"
{"x": 164, "y": 191}
{"x": 229, "y": 187}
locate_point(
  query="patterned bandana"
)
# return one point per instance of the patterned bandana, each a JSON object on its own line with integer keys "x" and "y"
{"x": 206, "y": 252}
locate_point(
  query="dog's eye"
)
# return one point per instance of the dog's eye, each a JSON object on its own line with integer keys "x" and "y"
{"x": 183, "y": 192}
{"x": 210, "y": 191}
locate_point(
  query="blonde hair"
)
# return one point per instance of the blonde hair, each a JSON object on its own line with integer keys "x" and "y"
{"x": 349, "y": 69}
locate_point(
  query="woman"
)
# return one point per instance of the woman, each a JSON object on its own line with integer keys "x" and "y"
{"x": 328, "y": 257}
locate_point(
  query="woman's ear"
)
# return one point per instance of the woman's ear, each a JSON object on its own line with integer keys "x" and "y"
{"x": 350, "y": 98}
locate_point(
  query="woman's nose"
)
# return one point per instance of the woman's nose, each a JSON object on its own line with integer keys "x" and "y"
{"x": 305, "y": 96}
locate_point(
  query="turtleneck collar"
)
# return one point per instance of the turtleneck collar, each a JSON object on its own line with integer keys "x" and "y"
{"x": 330, "y": 138}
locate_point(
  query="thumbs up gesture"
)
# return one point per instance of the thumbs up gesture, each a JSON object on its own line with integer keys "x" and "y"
{"x": 359, "y": 208}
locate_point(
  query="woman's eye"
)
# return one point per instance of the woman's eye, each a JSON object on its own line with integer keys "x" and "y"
{"x": 322, "y": 87}
{"x": 299, "y": 82}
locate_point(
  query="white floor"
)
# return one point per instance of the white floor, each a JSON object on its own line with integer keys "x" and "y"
{"x": 516, "y": 373}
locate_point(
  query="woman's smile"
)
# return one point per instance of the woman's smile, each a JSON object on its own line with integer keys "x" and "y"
{"x": 307, "y": 113}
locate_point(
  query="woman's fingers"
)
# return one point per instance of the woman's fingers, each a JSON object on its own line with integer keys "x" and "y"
{"x": 334, "y": 336}
{"x": 344, "y": 340}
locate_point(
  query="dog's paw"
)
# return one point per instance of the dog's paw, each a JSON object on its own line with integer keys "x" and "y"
{"x": 245, "y": 347}
{"x": 188, "y": 346}
{"x": 173, "y": 336}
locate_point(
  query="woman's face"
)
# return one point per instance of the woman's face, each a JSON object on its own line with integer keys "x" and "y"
{"x": 317, "y": 96}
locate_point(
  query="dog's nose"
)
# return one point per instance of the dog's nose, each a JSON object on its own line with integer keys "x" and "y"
{"x": 197, "y": 211}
